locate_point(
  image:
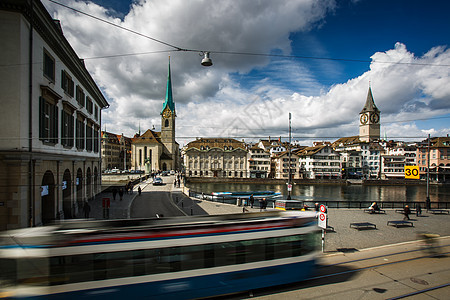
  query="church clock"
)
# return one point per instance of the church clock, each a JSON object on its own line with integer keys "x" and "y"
{"x": 374, "y": 118}
{"x": 167, "y": 113}
{"x": 364, "y": 118}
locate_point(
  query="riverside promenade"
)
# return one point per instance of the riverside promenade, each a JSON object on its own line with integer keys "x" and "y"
{"x": 341, "y": 239}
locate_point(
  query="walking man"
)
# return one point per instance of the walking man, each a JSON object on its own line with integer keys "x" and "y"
{"x": 406, "y": 212}
{"x": 121, "y": 194}
{"x": 86, "y": 209}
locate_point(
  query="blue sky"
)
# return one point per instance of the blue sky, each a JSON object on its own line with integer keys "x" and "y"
{"x": 246, "y": 96}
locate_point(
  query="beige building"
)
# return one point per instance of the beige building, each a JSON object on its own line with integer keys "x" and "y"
{"x": 216, "y": 157}
{"x": 116, "y": 151}
{"x": 258, "y": 162}
{"x": 281, "y": 168}
{"x": 50, "y": 120}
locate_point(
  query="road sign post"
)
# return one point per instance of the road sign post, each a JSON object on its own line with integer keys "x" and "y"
{"x": 322, "y": 220}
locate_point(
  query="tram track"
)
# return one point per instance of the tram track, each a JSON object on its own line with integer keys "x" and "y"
{"x": 345, "y": 277}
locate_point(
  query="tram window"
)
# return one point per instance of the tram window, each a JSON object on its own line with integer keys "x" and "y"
{"x": 209, "y": 256}
{"x": 153, "y": 262}
{"x": 99, "y": 266}
{"x": 32, "y": 271}
{"x": 225, "y": 254}
{"x": 193, "y": 257}
{"x": 255, "y": 250}
{"x": 119, "y": 264}
{"x": 138, "y": 262}
{"x": 8, "y": 275}
{"x": 75, "y": 268}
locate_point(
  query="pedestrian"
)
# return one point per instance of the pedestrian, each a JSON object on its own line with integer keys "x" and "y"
{"x": 252, "y": 200}
{"x": 316, "y": 206}
{"x": 406, "y": 212}
{"x": 121, "y": 194}
{"x": 418, "y": 210}
{"x": 114, "y": 193}
{"x": 131, "y": 188}
{"x": 261, "y": 204}
{"x": 139, "y": 190}
{"x": 86, "y": 209}
{"x": 175, "y": 183}
{"x": 264, "y": 203}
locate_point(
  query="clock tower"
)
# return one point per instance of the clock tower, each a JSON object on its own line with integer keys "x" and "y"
{"x": 369, "y": 120}
{"x": 168, "y": 116}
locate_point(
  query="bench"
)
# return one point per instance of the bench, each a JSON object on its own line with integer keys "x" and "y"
{"x": 380, "y": 211}
{"x": 400, "y": 223}
{"x": 438, "y": 211}
{"x": 401, "y": 211}
{"x": 363, "y": 225}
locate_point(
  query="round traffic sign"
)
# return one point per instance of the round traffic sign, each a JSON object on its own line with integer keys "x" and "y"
{"x": 323, "y": 208}
{"x": 322, "y": 217}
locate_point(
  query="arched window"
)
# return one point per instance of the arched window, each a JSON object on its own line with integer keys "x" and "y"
{"x": 166, "y": 123}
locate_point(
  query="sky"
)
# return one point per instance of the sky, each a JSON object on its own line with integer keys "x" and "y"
{"x": 313, "y": 59}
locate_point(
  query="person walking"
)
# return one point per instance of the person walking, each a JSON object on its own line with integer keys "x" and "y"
{"x": 114, "y": 192}
{"x": 261, "y": 204}
{"x": 139, "y": 190}
{"x": 252, "y": 200}
{"x": 121, "y": 194}
{"x": 406, "y": 212}
{"x": 86, "y": 209}
{"x": 418, "y": 210}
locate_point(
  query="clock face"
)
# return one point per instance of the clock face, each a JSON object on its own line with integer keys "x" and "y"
{"x": 364, "y": 118}
{"x": 374, "y": 118}
{"x": 167, "y": 113}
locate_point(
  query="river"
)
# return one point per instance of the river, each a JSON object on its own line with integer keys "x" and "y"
{"x": 328, "y": 192}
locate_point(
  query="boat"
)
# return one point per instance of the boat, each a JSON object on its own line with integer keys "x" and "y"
{"x": 256, "y": 194}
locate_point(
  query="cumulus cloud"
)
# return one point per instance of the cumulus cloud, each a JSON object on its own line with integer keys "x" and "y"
{"x": 241, "y": 95}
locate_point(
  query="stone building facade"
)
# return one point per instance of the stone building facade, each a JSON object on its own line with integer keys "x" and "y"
{"x": 50, "y": 120}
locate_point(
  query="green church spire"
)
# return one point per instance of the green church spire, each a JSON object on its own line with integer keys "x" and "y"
{"x": 169, "y": 100}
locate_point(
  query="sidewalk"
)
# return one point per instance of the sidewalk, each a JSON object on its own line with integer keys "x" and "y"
{"x": 118, "y": 209}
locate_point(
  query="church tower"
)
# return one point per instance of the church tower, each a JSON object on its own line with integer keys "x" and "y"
{"x": 168, "y": 116}
{"x": 369, "y": 120}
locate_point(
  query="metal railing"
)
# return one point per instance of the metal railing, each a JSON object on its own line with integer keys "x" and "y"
{"x": 333, "y": 203}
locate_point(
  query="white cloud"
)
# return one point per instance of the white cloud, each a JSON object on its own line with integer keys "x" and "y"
{"x": 243, "y": 95}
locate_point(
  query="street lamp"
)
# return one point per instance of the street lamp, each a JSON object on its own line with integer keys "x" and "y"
{"x": 206, "y": 61}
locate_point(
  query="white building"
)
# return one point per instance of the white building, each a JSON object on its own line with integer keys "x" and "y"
{"x": 50, "y": 120}
{"x": 319, "y": 162}
{"x": 258, "y": 162}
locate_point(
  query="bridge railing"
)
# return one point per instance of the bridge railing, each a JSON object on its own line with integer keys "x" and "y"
{"x": 333, "y": 203}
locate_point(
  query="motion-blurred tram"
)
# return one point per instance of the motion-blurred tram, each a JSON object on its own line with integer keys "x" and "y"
{"x": 170, "y": 258}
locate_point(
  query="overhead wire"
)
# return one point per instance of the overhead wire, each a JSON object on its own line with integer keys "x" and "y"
{"x": 177, "y": 48}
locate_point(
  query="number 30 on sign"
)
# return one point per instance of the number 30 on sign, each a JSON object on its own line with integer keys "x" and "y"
{"x": 412, "y": 172}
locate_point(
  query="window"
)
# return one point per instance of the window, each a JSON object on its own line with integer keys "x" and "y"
{"x": 96, "y": 112}
{"x": 89, "y": 105}
{"x": 48, "y": 121}
{"x": 80, "y": 134}
{"x": 67, "y": 129}
{"x": 166, "y": 123}
{"x": 67, "y": 83}
{"x": 96, "y": 140}
{"x": 80, "y": 96}
{"x": 49, "y": 66}
{"x": 88, "y": 137}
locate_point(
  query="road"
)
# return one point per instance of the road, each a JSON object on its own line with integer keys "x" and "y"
{"x": 400, "y": 271}
{"x": 155, "y": 200}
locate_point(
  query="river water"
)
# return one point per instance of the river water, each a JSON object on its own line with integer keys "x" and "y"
{"x": 326, "y": 192}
